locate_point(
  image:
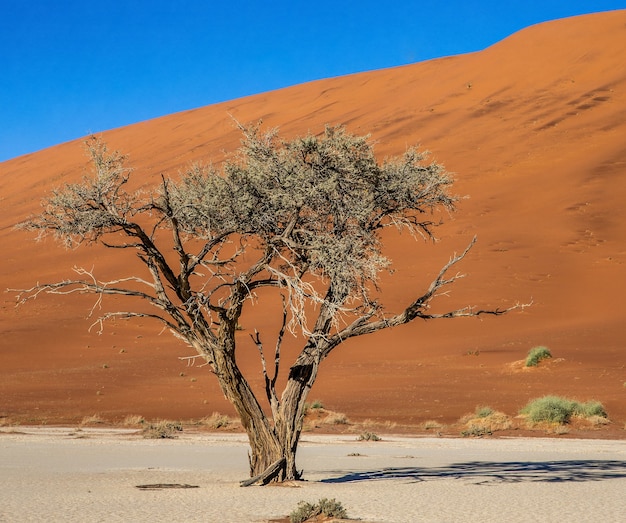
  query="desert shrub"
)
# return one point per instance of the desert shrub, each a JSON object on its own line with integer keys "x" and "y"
{"x": 92, "y": 420}
{"x": 316, "y": 405}
{"x": 216, "y": 421}
{"x": 162, "y": 430}
{"x": 484, "y": 422}
{"x": 431, "y": 425}
{"x": 555, "y": 409}
{"x": 598, "y": 421}
{"x": 483, "y": 412}
{"x": 476, "y": 431}
{"x": 559, "y": 430}
{"x": 5, "y": 421}
{"x": 590, "y": 409}
{"x": 336, "y": 418}
{"x": 132, "y": 420}
{"x": 325, "y": 507}
{"x": 537, "y": 354}
{"x": 369, "y": 436}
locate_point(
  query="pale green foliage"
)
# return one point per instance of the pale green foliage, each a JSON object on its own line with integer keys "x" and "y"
{"x": 483, "y": 412}
{"x": 549, "y": 408}
{"x": 537, "y": 354}
{"x": 98, "y": 205}
{"x": 325, "y": 507}
{"x": 590, "y": 409}
{"x": 560, "y": 410}
{"x": 314, "y": 204}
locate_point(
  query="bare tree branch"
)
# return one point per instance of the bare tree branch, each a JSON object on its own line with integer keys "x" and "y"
{"x": 417, "y": 309}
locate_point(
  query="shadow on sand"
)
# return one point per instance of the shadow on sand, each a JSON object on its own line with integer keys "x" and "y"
{"x": 487, "y": 472}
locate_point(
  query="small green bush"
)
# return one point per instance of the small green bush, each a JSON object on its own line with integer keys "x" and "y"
{"x": 484, "y": 412}
{"x": 555, "y": 409}
{"x": 549, "y": 408}
{"x": 325, "y": 507}
{"x": 537, "y": 354}
{"x": 590, "y": 409}
{"x": 317, "y": 404}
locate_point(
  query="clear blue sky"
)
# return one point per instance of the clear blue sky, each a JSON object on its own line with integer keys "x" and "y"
{"x": 72, "y": 67}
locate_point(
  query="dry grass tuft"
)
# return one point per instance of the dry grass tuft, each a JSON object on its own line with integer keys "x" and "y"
{"x": 91, "y": 420}
{"x": 335, "y": 418}
{"x": 369, "y": 436}
{"x": 559, "y": 429}
{"x": 218, "y": 421}
{"x": 485, "y": 421}
{"x": 6, "y": 421}
{"x": 133, "y": 420}
{"x": 316, "y": 417}
{"x": 598, "y": 421}
{"x": 431, "y": 425}
{"x": 162, "y": 429}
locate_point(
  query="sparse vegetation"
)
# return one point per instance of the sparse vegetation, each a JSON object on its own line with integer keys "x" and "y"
{"x": 555, "y": 409}
{"x": 316, "y": 405}
{"x": 589, "y": 409}
{"x": 537, "y": 354}
{"x": 162, "y": 429}
{"x": 484, "y": 422}
{"x": 133, "y": 420}
{"x": 324, "y": 507}
{"x": 560, "y": 430}
{"x": 431, "y": 425}
{"x": 217, "y": 421}
{"x": 484, "y": 412}
{"x": 92, "y": 420}
{"x": 369, "y": 436}
{"x": 476, "y": 432}
{"x": 598, "y": 421}
{"x": 336, "y": 418}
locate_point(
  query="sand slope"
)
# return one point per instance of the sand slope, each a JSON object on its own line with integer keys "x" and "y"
{"x": 534, "y": 129}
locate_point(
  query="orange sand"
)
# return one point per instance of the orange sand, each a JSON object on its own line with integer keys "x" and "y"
{"x": 534, "y": 129}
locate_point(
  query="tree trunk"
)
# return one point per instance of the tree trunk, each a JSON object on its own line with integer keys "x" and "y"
{"x": 272, "y": 454}
{"x": 273, "y": 447}
{"x": 281, "y": 444}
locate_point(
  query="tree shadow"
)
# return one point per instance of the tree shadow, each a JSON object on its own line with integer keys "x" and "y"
{"x": 487, "y": 472}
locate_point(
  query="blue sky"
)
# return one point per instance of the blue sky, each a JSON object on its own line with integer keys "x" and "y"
{"x": 69, "y": 68}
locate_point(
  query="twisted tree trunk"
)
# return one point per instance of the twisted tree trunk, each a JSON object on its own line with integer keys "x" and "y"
{"x": 273, "y": 446}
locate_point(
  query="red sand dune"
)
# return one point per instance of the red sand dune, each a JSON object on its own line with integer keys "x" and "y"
{"x": 534, "y": 129}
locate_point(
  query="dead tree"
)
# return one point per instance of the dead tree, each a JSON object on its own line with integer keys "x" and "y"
{"x": 302, "y": 218}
